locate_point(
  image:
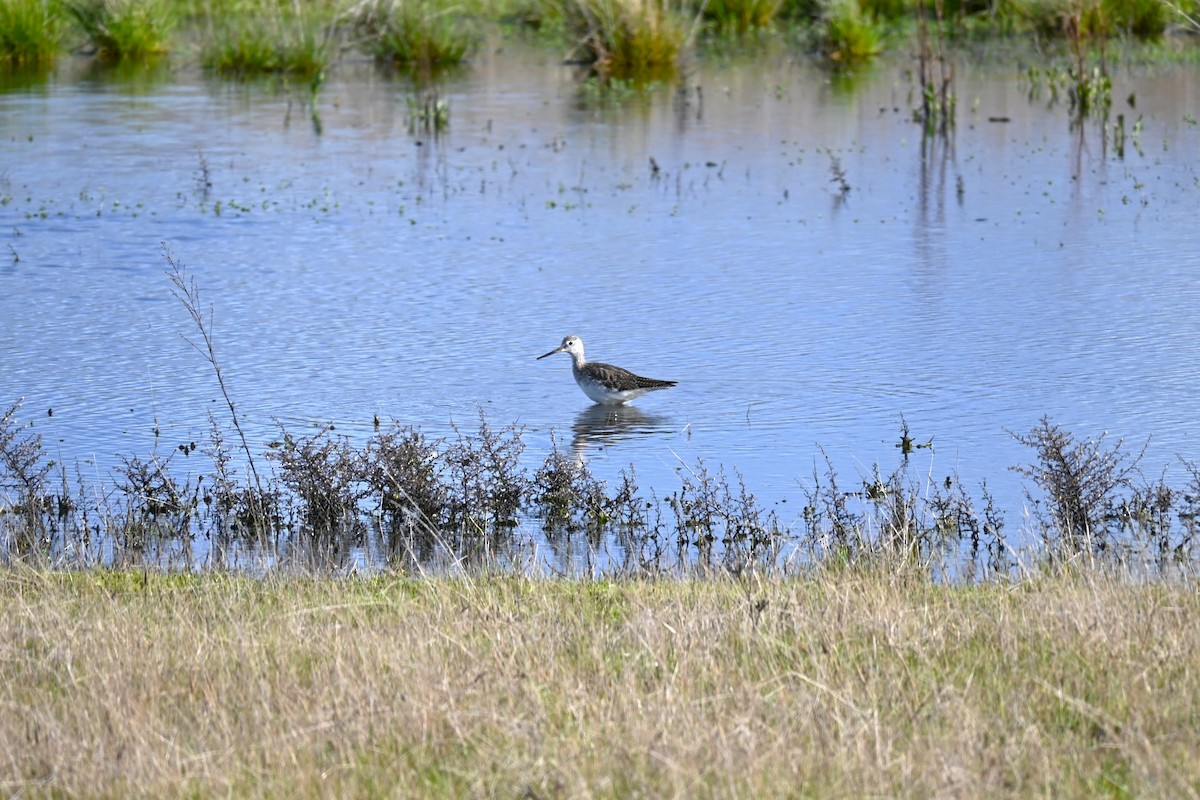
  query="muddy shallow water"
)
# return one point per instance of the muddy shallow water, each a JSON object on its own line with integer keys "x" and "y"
{"x": 357, "y": 268}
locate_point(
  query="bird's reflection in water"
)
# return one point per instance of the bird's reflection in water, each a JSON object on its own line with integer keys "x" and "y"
{"x": 603, "y": 426}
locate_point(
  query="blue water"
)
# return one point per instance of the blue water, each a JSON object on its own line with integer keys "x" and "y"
{"x": 357, "y": 268}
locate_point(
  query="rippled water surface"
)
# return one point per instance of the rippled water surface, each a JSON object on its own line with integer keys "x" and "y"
{"x": 1023, "y": 267}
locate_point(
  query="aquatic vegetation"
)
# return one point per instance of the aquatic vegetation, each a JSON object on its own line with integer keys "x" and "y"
{"x": 1146, "y": 19}
{"x": 1081, "y": 481}
{"x": 422, "y": 500}
{"x": 123, "y": 29}
{"x": 846, "y": 35}
{"x": 837, "y": 175}
{"x": 629, "y": 38}
{"x": 418, "y": 33}
{"x": 572, "y": 497}
{"x": 741, "y": 15}
{"x": 292, "y": 41}
{"x": 935, "y": 73}
{"x": 428, "y": 112}
{"x": 253, "y": 505}
{"x": 403, "y": 469}
{"x": 486, "y": 483}
{"x": 23, "y": 479}
{"x": 889, "y": 11}
{"x": 30, "y": 32}
{"x": 324, "y": 473}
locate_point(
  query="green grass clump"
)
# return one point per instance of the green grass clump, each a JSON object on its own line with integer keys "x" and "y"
{"x": 274, "y": 40}
{"x": 886, "y": 10}
{"x": 30, "y": 32}
{"x": 123, "y": 29}
{"x": 1144, "y": 19}
{"x": 847, "y": 35}
{"x": 844, "y": 683}
{"x": 629, "y": 38}
{"x": 741, "y": 15}
{"x": 1057, "y": 19}
{"x": 415, "y": 33}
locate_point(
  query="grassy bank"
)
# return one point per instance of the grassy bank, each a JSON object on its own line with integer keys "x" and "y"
{"x": 842, "y": 683}
{"x": 620, "y": 38}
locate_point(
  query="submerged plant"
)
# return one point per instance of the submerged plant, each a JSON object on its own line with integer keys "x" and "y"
{"x": 428, "y": 112}
{"x": 123, "y": 29}
{"x": 935, "y": 72}
{"x": 30, "y": 32}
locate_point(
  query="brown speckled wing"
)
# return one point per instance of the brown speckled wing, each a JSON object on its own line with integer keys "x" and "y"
{"x": 620, "y": 380}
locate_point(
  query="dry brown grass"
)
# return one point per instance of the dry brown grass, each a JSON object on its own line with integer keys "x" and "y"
{"x": 838, "y": 684}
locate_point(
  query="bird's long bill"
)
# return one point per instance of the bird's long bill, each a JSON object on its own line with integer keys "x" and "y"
{"x": 558, "y": 349}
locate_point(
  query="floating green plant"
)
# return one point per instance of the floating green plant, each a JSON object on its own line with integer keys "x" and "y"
{"x": 30, "y": 31}
{"x": 123, "y": 29}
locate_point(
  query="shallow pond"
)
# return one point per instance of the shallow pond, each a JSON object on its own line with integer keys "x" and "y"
{"x": 1023, "y": 267}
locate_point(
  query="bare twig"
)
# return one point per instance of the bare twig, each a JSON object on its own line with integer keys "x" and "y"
{"x": 187, "y": 292}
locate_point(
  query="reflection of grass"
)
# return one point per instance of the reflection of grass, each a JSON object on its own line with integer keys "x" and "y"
{"x": 123, "y": 29}
{"x": 428, "y": 112}
{"x": 845, "y": 683}
{"x": 30, "y": 31}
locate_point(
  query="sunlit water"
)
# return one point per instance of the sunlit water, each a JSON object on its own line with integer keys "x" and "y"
{"x": 967, "y": 287}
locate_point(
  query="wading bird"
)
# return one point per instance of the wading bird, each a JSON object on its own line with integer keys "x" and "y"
{"x": 604, "y": 383}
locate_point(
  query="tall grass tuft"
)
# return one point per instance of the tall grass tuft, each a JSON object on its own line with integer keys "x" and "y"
{"x": 1145, "y": 19}
{"x": 123, "y": 29}
{"x": 278, "y": 39}
{"x": 30, "y": 32}
{"x": 629, "y": 38}
{"x": 425, "y": 34}
{"x": 847, "y": 35}
{"x": 741, "y": 15}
